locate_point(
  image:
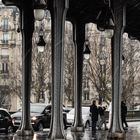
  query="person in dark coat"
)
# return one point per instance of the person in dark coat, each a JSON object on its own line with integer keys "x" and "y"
{"x": 94, "y": 115}
{"x": 101, "y": 111}
{"x": 124, "y": 114}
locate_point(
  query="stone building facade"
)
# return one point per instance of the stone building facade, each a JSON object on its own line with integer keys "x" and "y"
{"x": 10, "y": 55}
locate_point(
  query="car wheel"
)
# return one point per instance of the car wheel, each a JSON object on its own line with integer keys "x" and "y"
{"x": 87, "y": 125}
{"x": 40, "y": 126}
{"x": 10, "y": 129}
{"x": 65, "y": 124}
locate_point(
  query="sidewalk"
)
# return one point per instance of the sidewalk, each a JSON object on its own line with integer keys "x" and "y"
{"x": 133, "y": 133}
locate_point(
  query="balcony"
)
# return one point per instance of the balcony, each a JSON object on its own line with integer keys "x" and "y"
{"x": 4, "y": 57}
{"x": 4, "y": 42}
{"x": 12, "y": 43}
{"x": 7, "y": 27}
{"x": 4, "y": 76}
{"x": 4, "y": 28}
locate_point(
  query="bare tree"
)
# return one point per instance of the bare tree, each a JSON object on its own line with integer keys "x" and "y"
{"x": 5, "y": 96}
{"x": 16, "y": 80}
{"x": 41, "y": 65}
{"x": 41, "y": 80}
{"x": 69, "y": 65}
{"x": 130, "y": 69}
{"x": 100, "y": 65}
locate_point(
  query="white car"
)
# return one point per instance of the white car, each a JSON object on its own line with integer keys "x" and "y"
{"x": 86, "y": 117}
{"x": 137, "y": 107}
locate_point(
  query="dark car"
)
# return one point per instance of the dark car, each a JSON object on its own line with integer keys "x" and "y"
{"x": 40, "y": 116}
{"x": 66, "y": 109}
{"x": 6, "y": 124}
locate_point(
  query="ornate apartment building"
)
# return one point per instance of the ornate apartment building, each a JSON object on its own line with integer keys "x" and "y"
{"x": 11, "y": 62}
{"x": 10, "y": 55}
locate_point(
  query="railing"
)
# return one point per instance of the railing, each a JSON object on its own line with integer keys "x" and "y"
{"x": 132, "y": 115}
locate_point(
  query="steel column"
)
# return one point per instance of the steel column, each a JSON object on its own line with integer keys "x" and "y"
{"x": 79, "y": 39}
{"x": 58, "y": 13}
{"x": 116, "y": 130}
{"x": 27, "y": 28}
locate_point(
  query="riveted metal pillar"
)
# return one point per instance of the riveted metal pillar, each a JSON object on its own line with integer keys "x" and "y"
{"x": 79, "y": 39}
{"x": 27, "y": 28}
{"x": 58, "y": 13}
{"x": 116, "y": 130}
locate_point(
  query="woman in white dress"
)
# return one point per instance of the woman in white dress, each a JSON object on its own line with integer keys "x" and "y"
{"x": 110, "y": 114}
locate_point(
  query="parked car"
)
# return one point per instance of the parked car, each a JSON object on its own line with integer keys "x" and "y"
{"x": 66, "y": 109}
{"x": 85, "y": 116}
{"x": 6, "y": 124}
{"x": 40, "y": 116}
{"x": 137, "y": 107}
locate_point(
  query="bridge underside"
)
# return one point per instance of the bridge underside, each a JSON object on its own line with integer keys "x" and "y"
{"x": 88, "y": 11}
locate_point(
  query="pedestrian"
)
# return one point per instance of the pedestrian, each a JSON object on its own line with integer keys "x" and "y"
{"x": 123, "y": 115}
{"x": 101, "y": 111}
{"x": 94, "y": 115}
{"x": 110, "y": 114}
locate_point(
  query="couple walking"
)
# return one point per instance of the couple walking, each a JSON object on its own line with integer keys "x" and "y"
{"x": 97, "y": 112}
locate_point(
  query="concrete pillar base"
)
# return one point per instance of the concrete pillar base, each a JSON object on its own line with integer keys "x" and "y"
{"x": 15, "y": 137}
{"x": 78, "y": 129}
{"x": 24, "y": 132}
{"x": 116, "y": 135}
{"x": 56, "y": 137}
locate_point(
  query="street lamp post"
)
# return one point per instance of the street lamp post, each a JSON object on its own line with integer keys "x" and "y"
{"x": 106, "y": 22}
{"x": 86, "y": 50}
{"x": 105, "y": 18}
{"x": 102, "y": 65}
{"x": 41, "y": 43}
{"x": 41, "y": 46}
{"x": 86, "y": 54}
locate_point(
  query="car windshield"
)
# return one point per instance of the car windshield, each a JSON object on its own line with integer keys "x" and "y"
{"x": 37, "y": 108}
{"x": 71, "y": 112}
{"x": 85, "y": 110}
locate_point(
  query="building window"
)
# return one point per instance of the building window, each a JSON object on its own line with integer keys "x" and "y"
{"x": 5, "y": 24}
{"x": 4, "y": 56}
{"x": 5, "y": 37}
{"x": 5, "y": 51}
{"x": 4, "y": 68}
{"x": 136, "y": 98}
{"x": 86, "y": 95}
{"x": 85, "y": 83}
